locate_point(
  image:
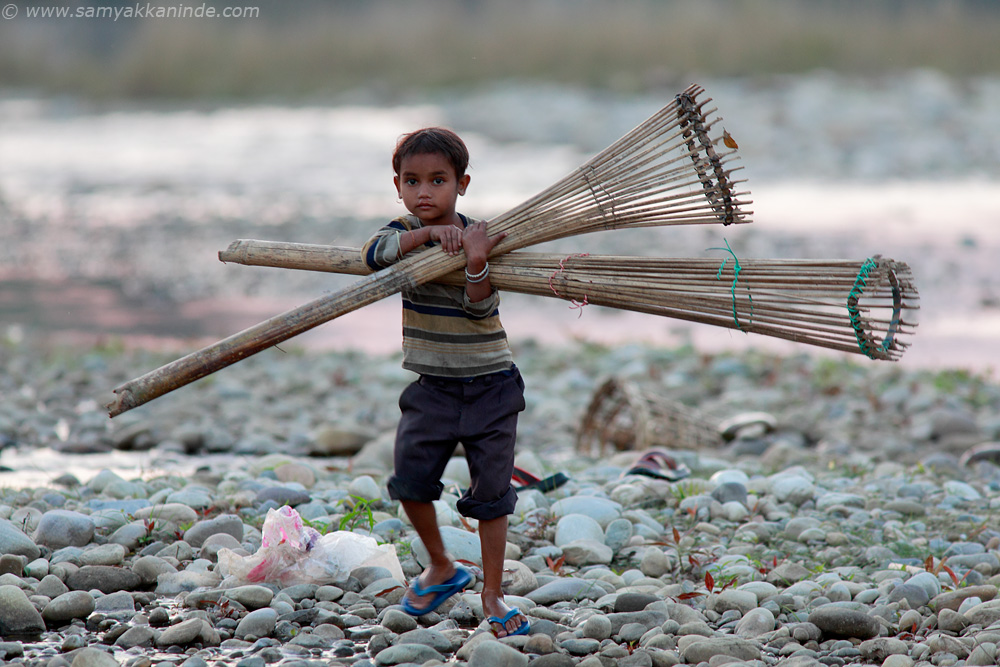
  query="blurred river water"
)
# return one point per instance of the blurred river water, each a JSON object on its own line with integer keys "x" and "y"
{"x": 112, "y": 217}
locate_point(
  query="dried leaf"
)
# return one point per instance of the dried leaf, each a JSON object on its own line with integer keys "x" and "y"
{"x": 709, "y": 582}
{"x": 689, "y": 596}
{"x": 951, "y": 573}
{"x": 555, "y": 564}
{"x": 728, "y": 140}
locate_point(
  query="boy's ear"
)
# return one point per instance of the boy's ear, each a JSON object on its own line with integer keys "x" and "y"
{"x": 463, "y": 183}
{"x": 395, "y": 181}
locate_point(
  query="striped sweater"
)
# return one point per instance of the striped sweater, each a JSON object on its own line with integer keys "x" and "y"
{"x": 444, "y": 334}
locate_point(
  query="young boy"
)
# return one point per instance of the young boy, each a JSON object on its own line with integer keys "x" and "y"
{"x": 469, "y": 389}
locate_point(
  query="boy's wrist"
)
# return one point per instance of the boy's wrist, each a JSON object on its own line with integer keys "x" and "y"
{"x": 475, "y": 262}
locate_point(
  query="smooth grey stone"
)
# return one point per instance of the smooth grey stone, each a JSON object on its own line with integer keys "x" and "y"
{"x": 407, "y": 653}
{"x": 730, "y": 492}
{"x": 563, "y": 590}
{"x": 836, "y": 621}
{"x": 66, "y": 607}
{"x": 953, "y": 599}
{"x": 633, "y": 601}
{"x": 755, "y": 623}
{"x": 389, "y": 529}
{"x": 104, "y": 578}
{"x": 550, "y": 659}
{"x": 259, "y": 623}
{"x": 703, "y": 650}
{"x": 92, "y": 657}
{"x": 915, "y": 594}
{"x": 11, "y": 650}
{"x": 115, "y": 603}
{"x": 597, "y": 627}
{"x": 878, "y": 649}
{"x": 224, "y": 523}
{"x": 251, "y": 596}
{"x": 603, "y": 510}
{"x": 632, "y": 632}
{"x": 13, "y": 541}
{"x": 104, "y": 554}
{"x": 12, "y": 564}
{"x": 18, "y": 617}
{"x": 581, "y": 647}
{"x": 149, "y": 568}
{"x": 179, "y": 550}
{"x": 427, "y": 637}
{"x": 138, "y": 635}
{"x": 648, "y": 618}
{"x": 496, "y": 654}
{"x": 171, "y": 584}
{"x": 398, "y": 621}
{"x": 300, "y": 592}
{"x": 64, "y": 528}
{"x": 188, "y": 632}
{"x": 618, "y": 533}
{"x": 51, "y": 587}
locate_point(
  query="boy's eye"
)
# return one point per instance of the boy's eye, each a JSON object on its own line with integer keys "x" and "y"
{"x": 438, "y": 181}
{"x": 411, "y": 181}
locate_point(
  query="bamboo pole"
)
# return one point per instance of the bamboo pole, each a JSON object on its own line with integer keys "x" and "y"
{"x": 638, "y": 181}
{"x": 805, "y": 301}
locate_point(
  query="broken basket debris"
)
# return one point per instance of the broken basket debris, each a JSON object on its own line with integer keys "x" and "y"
{"x": 624, "y": 416}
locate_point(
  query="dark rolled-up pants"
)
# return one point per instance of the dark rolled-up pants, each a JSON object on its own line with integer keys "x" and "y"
{"x": 437, "y": 415}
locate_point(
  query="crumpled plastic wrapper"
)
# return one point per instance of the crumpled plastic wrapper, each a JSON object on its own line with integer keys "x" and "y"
{"x": 292, "y": 553}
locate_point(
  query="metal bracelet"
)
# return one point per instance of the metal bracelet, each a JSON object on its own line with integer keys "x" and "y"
{"x": 479, "y": 277}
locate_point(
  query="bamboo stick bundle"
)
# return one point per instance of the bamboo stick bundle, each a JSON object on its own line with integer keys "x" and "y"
{"x": 861, "y": 307}
{"x": 664, "y": 172}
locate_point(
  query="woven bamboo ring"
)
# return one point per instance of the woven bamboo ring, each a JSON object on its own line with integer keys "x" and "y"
{"x": 867, "y": 340}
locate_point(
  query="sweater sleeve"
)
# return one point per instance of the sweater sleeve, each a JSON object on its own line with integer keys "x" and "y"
{"x": 484, "y": 308}
{"x": 382, "y": 249}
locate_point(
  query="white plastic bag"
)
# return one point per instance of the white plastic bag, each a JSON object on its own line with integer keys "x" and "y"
{"x": 292, "y": 553}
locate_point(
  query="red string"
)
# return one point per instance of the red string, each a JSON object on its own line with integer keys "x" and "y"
{"x": 562, "y": 267}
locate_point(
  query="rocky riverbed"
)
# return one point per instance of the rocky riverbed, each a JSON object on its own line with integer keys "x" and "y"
{"x": 848, "y": 519}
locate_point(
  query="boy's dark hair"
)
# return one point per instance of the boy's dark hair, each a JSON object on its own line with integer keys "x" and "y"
{"x": 432, "y": 140}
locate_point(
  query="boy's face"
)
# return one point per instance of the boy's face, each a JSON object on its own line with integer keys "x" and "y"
{"x": 429, "y": 187}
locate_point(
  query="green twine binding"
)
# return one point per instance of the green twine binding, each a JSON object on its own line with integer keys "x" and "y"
{"x": 736, "y": 276}
{"x": 854, "y": 315}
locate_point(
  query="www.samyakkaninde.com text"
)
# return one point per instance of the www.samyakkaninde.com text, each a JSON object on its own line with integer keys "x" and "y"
{"x": 137, "y": 11}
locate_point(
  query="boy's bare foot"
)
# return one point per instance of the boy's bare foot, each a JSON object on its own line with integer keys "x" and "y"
{"x": 494, "y": 608}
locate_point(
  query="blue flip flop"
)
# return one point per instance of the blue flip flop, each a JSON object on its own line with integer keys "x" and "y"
{"x": 521, "y": 629}
{"x": 441, "y": 592}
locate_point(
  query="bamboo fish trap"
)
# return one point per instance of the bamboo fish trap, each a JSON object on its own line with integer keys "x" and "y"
{"x": 622, "y": 415}
{"x": 861, "y": 307}
{"x": 666, "y": 171}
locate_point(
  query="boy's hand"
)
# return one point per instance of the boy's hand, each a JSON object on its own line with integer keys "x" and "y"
{"x": 449, "y": 236}
{"x": 477, "y": 244}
